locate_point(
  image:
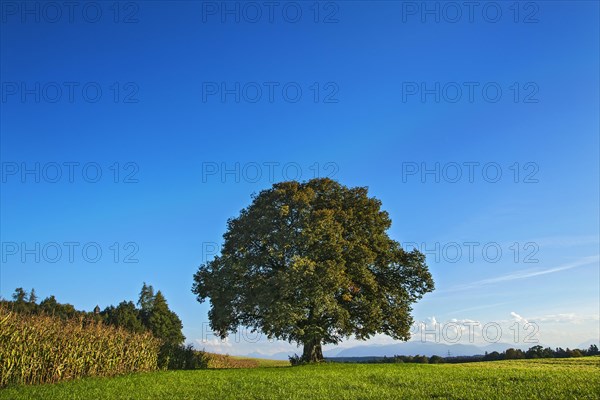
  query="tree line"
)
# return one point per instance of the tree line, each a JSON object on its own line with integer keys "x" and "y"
{"x": 541, "y": 352}
{"x": 509, "y": 354}
{"x": 150, "y": 314}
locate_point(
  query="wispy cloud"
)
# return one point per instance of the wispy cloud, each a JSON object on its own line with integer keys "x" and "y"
{"x": 518, "y": 318}
{"x": 525, "y": 274}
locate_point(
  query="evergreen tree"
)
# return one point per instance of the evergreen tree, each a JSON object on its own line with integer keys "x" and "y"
{"x": 19, "y": 295}
{"x": 20, "y": 305}
{"x": 32, "y": 297}
{"x": 164, "y": 323}
{"x": 145, "y": 302}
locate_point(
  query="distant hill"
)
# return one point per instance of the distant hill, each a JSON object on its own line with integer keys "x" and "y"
{"x": 404, "y": 348}
{"x": 422, "y": 348}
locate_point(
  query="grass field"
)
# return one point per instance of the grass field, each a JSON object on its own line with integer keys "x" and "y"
{"x": 574, "y": 378}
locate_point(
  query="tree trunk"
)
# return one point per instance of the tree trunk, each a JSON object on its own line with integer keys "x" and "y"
{"x": 312, "y": 351}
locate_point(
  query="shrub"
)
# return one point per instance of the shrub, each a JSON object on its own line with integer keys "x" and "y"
{"x": 182, "y": 357}
{"x": 436, "y": 360}
{"x": 296, "y": 360}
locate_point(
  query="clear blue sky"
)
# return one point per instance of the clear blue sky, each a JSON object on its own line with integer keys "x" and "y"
{"x": 386, "y": 91}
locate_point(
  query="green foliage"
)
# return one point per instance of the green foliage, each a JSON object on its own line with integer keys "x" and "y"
{"x": 50, "y": 306}
{"x": 513, "y": 354}
{"x": 20, "y": 303}
{"x": 575, "y": 378}
{"x": 509, "y": 354}
{"x": 38, "y": 349}
{"x": 540, "y": 352}
{"x": 182, "y": 357}
{"x": 19, "y": 295}
{"x": 145, "y": 302}
{"x": 312, "y": 263}
{"x": 408, "y": 359}
{"x": 153, "y": 316}
{"x": 32, "y": 296}
{"x": 421, "y": 359}
{"x": 535, "y": 352}
{"x": 435, "y": 360}
{"x": 125, "y": 315}
{"x": 296, "y": 360}
{"x": 164, "y": 323}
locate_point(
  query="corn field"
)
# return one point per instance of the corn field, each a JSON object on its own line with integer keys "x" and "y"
{"x": 37, "y": 349}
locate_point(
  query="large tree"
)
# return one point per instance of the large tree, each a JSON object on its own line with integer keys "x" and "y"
{"x": 312, "y": 263}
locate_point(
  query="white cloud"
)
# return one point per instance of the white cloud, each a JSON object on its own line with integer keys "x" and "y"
{"x": 215, "y": 345}
{"x": 518, "y": 318}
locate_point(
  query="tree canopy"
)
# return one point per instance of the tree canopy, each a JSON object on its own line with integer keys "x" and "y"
{"x": 125, "y": 315}
{"x": 312, "y": 263}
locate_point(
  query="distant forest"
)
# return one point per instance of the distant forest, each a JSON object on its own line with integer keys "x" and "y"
{"x": 509, "y": 354}
{"x": 540, "y": 352}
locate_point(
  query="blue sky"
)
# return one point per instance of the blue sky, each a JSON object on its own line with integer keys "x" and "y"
{"x": 187, "y": 108}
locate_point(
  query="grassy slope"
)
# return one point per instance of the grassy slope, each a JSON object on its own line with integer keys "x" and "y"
{"x": 577, "y": 378}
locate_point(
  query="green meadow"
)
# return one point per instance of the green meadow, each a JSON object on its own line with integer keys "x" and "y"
{"x": 573, "y": 378}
